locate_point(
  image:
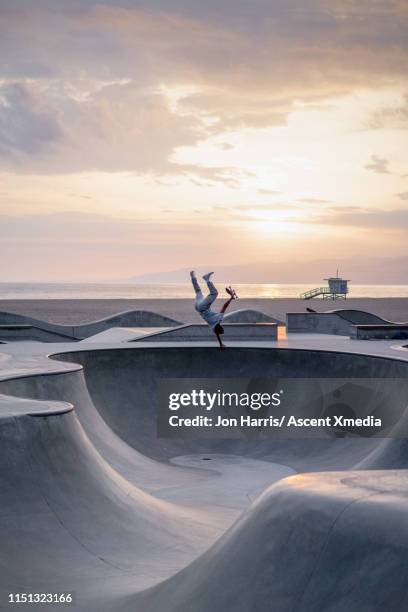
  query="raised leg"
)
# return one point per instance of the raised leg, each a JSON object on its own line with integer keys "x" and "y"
{"x": 195, "y": 283}
{"x": 211, "y": 297}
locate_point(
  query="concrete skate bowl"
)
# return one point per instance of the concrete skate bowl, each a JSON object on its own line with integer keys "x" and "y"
{"x": 91, "y": 504}
{"x": 15, "y": 327}
{"x": 123, "y": 385}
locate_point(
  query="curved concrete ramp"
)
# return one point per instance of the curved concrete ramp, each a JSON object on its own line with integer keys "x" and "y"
{"x": 15, "y": 327}
{"x": 338, "y": 322}
{"x": 358, "y": 317}
{"x": 123, "y": 334}
{"x": 70, "y": 386}
{"x": 247, "y": 315}
{"x": 93, "y": 503}
{"x": 310, "y": 543}
{"x": 131, "y": 318}
{"x": 389, "y": 453}
{"x": 70, "y": 523}
{"x": 28, "y": 328}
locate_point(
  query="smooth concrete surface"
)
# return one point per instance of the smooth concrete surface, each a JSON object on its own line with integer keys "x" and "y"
{"x": 131, "y": 318}
{"x": 357, "y": 317}
{"x": 123, "y": 334}
{"x": 316, "y": 323}
{"x": 70, "y": 523}
{"x": 114, "y": 378}
{"x": 338, "y": 322}
{"x": 248, "y": 315}
{"x": 24, "y": 333}
{"x": 94, "y": 503}
{"x": 232, "y": 331}
{"x": 35, "y": 329}
{"x": 395, "y": 331}
{"x": 310, "y": 544}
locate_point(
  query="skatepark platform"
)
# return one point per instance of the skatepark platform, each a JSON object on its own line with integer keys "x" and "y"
{"x": 394, "y": 331}
{"x": 201, "y": 332}
{"x": 94, "y": 503}
{"x": 17, "y": 333}
{"x": 339, "y": 322}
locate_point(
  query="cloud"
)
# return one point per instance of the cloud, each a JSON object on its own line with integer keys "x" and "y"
{"x": 403, "y": 195}
{"x": 390, "y": 117}
{"x": 379, "y": 165}
{"x": 268, "y": 192}
{"x": 97, "y": 76}
{"x": 229, "y": 176}
{"x": 314, "y": 201}
{"x": 396, "y": 219}
{"x": 271, "y": 207}
{"x": 238, "y": 111}
{"x": 116, "y": 128}
{"x": 345, "y": 209}
{"x": 27, "y": 125}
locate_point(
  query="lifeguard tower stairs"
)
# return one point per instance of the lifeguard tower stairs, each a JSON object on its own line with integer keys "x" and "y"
{"x": 336, "y": 288}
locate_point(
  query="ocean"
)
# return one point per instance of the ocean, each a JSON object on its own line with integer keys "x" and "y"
{"x": 63, "y": 291}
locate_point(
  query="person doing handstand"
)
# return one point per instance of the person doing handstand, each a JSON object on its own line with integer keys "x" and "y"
{"x": 203, "y": 304}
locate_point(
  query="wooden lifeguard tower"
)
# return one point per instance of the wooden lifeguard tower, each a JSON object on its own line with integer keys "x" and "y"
{"x": 336, "y": 288}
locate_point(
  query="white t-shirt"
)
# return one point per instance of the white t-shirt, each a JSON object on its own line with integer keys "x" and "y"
{"x": 211, "y": 317}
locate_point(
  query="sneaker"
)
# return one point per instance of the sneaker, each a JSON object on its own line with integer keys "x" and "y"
{"x": 207, "y": 276}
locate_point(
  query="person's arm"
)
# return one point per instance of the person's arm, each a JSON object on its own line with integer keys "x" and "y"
{"x": 227, "y": 303}
{"x": 222, "y": 346}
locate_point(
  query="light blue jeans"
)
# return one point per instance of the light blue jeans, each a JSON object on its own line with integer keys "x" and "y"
{"x": 201, "y": 302}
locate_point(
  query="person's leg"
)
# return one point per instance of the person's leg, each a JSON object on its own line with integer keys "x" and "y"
{"x": 199, "y": 295}
{"x": 195, "y": 283}
{"x": 211, "y": 297}
{"x": 212, "y": 288}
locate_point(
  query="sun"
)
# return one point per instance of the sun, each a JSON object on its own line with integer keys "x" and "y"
{"x": 278, "y": 221}
{"x": 275, "y": 227}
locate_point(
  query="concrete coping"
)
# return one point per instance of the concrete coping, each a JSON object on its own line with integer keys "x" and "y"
{"x": 11, "y": 406}
{"x": 387, "y": 326}
{"x": 15, "y": 326}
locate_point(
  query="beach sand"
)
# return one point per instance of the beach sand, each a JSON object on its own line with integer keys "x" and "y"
{"x": 80, "y": 311}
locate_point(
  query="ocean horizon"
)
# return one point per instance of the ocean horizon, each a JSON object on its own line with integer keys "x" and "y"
{"x": 64, "y": 291}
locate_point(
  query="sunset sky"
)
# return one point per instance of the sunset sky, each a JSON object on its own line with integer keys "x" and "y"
{"x": 142, "y": 136}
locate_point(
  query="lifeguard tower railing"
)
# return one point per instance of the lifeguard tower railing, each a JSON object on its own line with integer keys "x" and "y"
{"x": 327, "y": 293}
{"x": 308, "y": 295}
